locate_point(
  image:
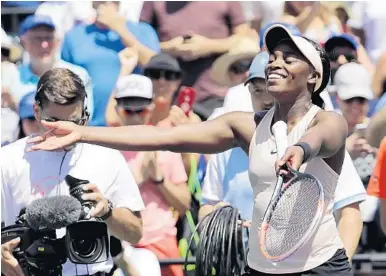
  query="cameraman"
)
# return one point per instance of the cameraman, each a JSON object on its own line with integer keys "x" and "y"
{"x": 25, "y": 176}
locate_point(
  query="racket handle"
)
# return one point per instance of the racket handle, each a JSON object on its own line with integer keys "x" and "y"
{"x": 279, "y": 130}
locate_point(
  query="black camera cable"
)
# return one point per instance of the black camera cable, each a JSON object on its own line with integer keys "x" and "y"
{"x": 221, "y": 249}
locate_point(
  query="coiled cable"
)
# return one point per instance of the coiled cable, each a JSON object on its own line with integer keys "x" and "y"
{"x": 221, "y": 249}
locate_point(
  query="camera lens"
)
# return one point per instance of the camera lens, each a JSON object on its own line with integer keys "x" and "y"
{"x": 85, "y": 248}
{"x": 87, "y": 251}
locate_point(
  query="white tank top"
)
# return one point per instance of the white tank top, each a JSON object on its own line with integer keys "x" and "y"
{"x": 262, "y": 157}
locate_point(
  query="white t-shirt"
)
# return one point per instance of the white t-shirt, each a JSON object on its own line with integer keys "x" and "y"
{"x": 26, "y": 176}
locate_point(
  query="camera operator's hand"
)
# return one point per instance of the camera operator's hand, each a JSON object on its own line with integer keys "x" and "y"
{"x": 9, "y": 265}
{"x": 101, "y": 203}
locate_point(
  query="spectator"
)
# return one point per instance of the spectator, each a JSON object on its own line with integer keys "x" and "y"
{"x": 197, "y": 43}
{"x": 166, "y": 74}
{"x": 314, "y": 19}
{"x": 29, "y": 125}
{"x": 345, "y": 48}
{"x": 368, "y": 21}
{"x": 353, "y": 95}
{"x": 10, "y": 130}
{"x": 341, "y": 49}
{"x": 160, "y": 175}
{"x": 231, "y": 70}
{"x": 260, "y": 13}
{"x": 95, "y": 47}
{"x": 40, "y": 41}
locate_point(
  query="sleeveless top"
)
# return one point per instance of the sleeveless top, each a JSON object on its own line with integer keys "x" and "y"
{"x": 262, "y": 156}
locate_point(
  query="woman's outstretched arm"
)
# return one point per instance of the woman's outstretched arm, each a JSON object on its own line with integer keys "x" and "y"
{"x": 212, "y": 136}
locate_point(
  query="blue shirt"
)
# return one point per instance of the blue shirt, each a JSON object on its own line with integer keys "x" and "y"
{"x": 96, "y": 50}
{"x": 29, "y": 81}
{"x": 227, "y": 180}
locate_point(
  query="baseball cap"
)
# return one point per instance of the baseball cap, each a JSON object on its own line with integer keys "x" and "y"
{"x": 339, "y": 40}
{"x": 26, "y": 103}
{"x": 257, "y": 68}
{"x": 34, "y": 21}
{"x": 279, "y": 32}
{"x": 163, "y": 62}
{"x": 353, "y": 80}
{"x": 290, "y": 27}
{"x": 134, "y": 91}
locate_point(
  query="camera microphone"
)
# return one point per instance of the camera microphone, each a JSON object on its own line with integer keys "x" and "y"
{"x": 52, "y": 212}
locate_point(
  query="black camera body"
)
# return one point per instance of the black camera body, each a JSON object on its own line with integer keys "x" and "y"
{"x": 38, "y": 253}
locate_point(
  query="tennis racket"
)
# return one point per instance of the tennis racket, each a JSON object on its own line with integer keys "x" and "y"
{"x": 295, "y": 209}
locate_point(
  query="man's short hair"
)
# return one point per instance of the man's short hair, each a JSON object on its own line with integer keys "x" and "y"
{"x": 60, "y": 86}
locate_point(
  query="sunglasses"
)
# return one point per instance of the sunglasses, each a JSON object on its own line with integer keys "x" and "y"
{"x": 360, "y": 100}
{"x": 334, "y": 56}
{"x": 168, "y": 75}
{"x": 135, "y": 111}
{"x": 240, "y": 67}
{"x": 81, "y": 121}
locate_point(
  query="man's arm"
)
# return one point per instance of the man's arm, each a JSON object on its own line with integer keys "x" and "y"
{"x": 125, "y": 223}
{"x": 376, "y": 130}
{"x": 145, "y": 53}
{"x": 350, "y": 227}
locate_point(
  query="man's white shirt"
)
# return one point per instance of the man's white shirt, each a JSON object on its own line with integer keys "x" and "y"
{"x": 27, "y": 176}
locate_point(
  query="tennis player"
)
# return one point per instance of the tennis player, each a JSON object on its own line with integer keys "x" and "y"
{"x": 298, "y": 70}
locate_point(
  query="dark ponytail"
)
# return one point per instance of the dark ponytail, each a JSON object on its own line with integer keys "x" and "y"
{"x": 315, "y": 97}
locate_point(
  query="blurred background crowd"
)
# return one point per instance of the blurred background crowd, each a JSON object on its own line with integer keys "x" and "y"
{"x": 136, "y": 57}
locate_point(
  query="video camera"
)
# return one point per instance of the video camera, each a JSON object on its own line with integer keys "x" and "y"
{"x": 40, "y": 252}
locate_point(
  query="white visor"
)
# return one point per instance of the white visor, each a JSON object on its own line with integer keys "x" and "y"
{"x": 276, "y": 33}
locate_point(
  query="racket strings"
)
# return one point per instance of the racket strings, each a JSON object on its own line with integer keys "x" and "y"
{"x": 292, "y": 215}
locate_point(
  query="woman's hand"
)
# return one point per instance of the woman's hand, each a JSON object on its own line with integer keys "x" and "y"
{"x": 294, "y": 156}
{"x": 59, "y": 136}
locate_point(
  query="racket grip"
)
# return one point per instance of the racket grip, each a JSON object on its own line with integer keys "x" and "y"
{"x": 279, "y": 130}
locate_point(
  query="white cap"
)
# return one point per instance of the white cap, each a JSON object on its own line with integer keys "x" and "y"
{"x": 353, "y": 80}
{"x": 134, "y": 86}
{"x": 277, "y": 32}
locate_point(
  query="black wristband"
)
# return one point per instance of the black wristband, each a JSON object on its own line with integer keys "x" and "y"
{"x": 306, "y": 150}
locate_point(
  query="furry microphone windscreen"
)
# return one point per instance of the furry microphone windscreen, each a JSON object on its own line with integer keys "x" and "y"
{"x": 53, "y": 212}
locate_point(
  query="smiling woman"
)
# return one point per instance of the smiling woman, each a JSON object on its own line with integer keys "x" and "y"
{"x": 297, "y": 72}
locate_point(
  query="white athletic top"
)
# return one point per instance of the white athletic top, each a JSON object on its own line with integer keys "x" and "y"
{"x": 263, "y": 178}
